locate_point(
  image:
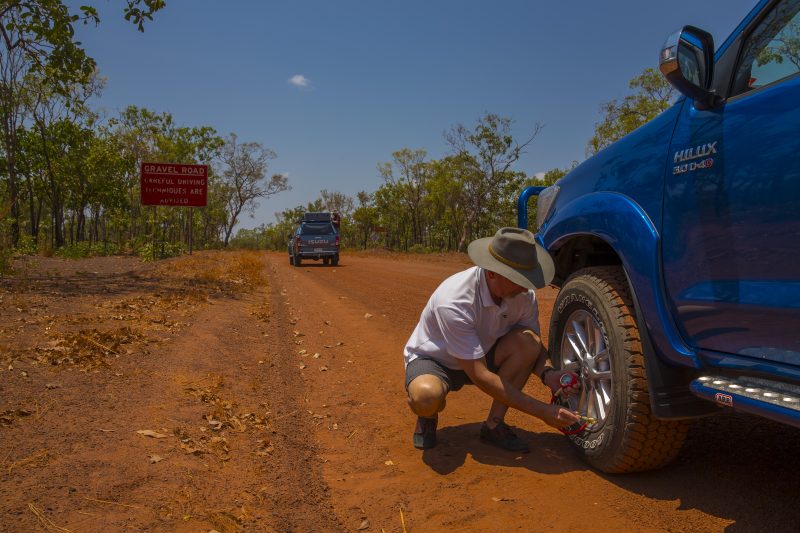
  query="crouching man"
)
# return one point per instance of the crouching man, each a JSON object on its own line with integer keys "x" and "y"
{"x": 481, "y": 327}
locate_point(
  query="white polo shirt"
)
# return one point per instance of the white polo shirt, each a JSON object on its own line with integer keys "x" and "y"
{"x": 461, "y": 320}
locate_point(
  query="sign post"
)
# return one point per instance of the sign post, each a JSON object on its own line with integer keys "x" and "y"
{"x": 191, "y": 228}
{"x": 173, "y": 184}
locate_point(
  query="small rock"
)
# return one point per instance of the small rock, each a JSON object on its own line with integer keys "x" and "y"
{"x": 364, "y": 525}
{"x": 367, "y": 315}
{"x": 52, "y": 386}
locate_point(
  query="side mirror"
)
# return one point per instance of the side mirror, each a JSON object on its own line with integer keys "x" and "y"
{"x": 687, "y": 61}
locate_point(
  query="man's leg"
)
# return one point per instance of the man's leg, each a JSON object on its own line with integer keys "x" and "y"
{"x": 426, "y": 395}
{"x": 427, "y": 386}
{"x": 515, "y": 356}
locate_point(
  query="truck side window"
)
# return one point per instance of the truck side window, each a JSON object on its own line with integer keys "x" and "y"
{"x": 772, "y": 50}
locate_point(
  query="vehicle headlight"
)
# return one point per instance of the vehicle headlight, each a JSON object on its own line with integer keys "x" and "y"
{"x": 544, "y": 204}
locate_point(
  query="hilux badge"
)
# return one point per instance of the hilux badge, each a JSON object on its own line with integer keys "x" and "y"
{"x": 686, "y": 157}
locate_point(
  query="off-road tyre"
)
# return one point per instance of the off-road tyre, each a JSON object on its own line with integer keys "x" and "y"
{"x": 297, "y": 260}
{"x": 335, "y": 260}
{"x": 291, "y": 260}
{"x": 630, "y": 438}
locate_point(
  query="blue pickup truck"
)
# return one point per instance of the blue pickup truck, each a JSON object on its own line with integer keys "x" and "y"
{"x": 316, "y": 237}
{"x": 677, "y": 251}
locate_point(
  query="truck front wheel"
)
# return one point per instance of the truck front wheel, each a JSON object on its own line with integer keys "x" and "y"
{"x": 593, "y": 332}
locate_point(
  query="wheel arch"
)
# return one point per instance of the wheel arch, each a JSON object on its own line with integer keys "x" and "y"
{"x": 609, "y": 229}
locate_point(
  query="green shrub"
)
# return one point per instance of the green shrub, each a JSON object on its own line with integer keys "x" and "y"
{"x": 5, "y": 260}
{"x": 163, "y": 250}
{"x": 419, "y": 249}
{"x": 81, "y": 250}
{"x": 26, "y": 245}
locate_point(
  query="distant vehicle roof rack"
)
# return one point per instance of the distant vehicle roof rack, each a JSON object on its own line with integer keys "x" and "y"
{"x": 316, "y": 217}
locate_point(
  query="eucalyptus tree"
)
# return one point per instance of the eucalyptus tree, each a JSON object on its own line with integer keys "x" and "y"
{"x": 38, "y": 39}
{"x": 408, "y": 174}
{"x": 486, "y": 155}
{"x": 365, "y": 219}
{"x": 393, "y": 216}
{"x": 448, "y": 202}
{"x": 652, "y": 94}
{"x": 244, "y": 179}
{"x": 337, "y": 201}
{"x": 64, "y": 124}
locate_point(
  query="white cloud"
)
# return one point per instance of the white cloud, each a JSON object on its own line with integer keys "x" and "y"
{"x": 298, "y": 80}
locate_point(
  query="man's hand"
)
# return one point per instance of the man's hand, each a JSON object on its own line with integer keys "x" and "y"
{"x": 553, "y": 380}
{"x": 559, "y": 417}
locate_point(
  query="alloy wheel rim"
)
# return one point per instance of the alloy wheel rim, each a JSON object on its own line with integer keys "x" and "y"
{"x": 585, "y": 352}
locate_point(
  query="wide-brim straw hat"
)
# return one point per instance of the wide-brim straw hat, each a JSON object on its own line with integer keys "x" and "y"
{"x": 514, "y": 254}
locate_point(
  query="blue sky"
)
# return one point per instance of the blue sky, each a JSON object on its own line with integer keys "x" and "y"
{"x": 375, "y": 77}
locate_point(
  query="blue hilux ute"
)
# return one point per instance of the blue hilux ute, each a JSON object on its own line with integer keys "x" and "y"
{"x": 677, "y": 251}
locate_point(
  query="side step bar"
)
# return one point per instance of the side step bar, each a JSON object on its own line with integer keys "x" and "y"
{"x": 771, "y": 399}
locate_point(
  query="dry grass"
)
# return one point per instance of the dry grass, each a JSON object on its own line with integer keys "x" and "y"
{"x": 162, "y": 304}
{"x": 234, "y": 271}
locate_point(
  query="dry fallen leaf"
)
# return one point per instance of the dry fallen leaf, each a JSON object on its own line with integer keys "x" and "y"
{"x": 367, "y": 315}
{"x": 495, "y": 499}
{"x": 389, "y": 463}
{"x": 155, "y": 459}
{"x": 364, "y": 525}
{"x": 316, "y": 355}
{"x": 151, "y": 433}
{"x": 323, "y": 368}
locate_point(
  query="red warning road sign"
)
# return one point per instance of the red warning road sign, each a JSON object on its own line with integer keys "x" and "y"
{"x": 174, "y": 184}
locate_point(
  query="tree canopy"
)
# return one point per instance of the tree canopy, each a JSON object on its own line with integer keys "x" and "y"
{"x": 652, "y": 94}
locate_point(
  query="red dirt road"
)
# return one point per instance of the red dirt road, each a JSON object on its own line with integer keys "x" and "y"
{"x": 282, "y": 409}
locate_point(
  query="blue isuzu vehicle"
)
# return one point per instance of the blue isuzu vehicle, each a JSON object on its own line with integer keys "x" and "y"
{"x": 317, "y": 238}
{"x": 677, "y": 251}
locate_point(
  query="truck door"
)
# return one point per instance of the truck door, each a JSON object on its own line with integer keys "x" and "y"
{"x": 731, "y": 228}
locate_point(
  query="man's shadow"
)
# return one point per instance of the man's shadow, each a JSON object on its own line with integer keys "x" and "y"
{"x": 551, "y": 453}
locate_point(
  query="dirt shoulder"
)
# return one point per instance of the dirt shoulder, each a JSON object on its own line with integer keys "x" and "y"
{"x": 153, "y": 397}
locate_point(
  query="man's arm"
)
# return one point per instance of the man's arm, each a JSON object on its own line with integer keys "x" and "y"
{"x": 504, "y": 392}
{"x": 549, "y": 376}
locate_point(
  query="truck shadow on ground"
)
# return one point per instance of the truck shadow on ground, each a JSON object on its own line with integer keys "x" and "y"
{"x": 551, "y": 453}
{"x": 735, "y": 467}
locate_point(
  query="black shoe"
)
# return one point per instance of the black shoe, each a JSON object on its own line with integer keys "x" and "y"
{"x": 502, "y": 437}
{"x": 425, "y": 432}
